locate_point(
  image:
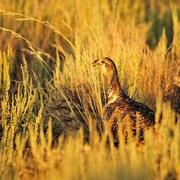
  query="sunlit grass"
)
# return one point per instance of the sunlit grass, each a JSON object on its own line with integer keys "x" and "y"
{"x": 83, "y": 31}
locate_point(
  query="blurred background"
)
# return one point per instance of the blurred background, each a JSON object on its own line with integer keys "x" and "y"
{"x": 47, "y": 83}
{"x": 41, "y": 29}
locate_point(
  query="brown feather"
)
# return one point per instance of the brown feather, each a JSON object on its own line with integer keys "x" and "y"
{"x": 120, "y": 107}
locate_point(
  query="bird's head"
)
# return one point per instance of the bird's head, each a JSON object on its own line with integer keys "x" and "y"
{"x": 108, "y": 68}
{"x": 106, "y": 65}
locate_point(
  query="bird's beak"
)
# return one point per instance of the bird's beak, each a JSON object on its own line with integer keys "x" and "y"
{"x": 96, "y": 63}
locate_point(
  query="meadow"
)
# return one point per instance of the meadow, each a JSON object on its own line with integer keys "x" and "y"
{"x": 51, "y": 98}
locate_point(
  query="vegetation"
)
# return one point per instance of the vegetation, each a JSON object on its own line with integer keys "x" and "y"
{"x": 51, "y": 99}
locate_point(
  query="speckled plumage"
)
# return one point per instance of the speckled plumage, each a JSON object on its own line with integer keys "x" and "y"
{"x": 120, "y": 109}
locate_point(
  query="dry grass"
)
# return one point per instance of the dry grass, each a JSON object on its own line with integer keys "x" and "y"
{"x": 31, "y": 83}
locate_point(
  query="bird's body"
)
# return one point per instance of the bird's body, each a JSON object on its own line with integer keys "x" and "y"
{"x": 121, "y": 110}
{"x": 128, "y": 113}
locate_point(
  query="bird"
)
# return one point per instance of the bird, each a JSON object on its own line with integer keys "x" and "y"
{"x": 121, "y": 111}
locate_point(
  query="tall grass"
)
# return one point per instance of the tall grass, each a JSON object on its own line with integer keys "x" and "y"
{"x": 31, "y": 85}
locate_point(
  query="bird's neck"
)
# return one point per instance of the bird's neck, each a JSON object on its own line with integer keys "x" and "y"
{"x": 114, "y": 88}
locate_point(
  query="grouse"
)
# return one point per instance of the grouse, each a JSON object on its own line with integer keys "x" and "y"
{"x": 121, "y": 110}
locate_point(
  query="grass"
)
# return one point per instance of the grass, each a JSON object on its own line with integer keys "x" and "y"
{"x": 34, "y": 35}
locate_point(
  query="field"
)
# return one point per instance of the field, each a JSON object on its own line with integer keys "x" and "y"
{"x": 51, "y": 98}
